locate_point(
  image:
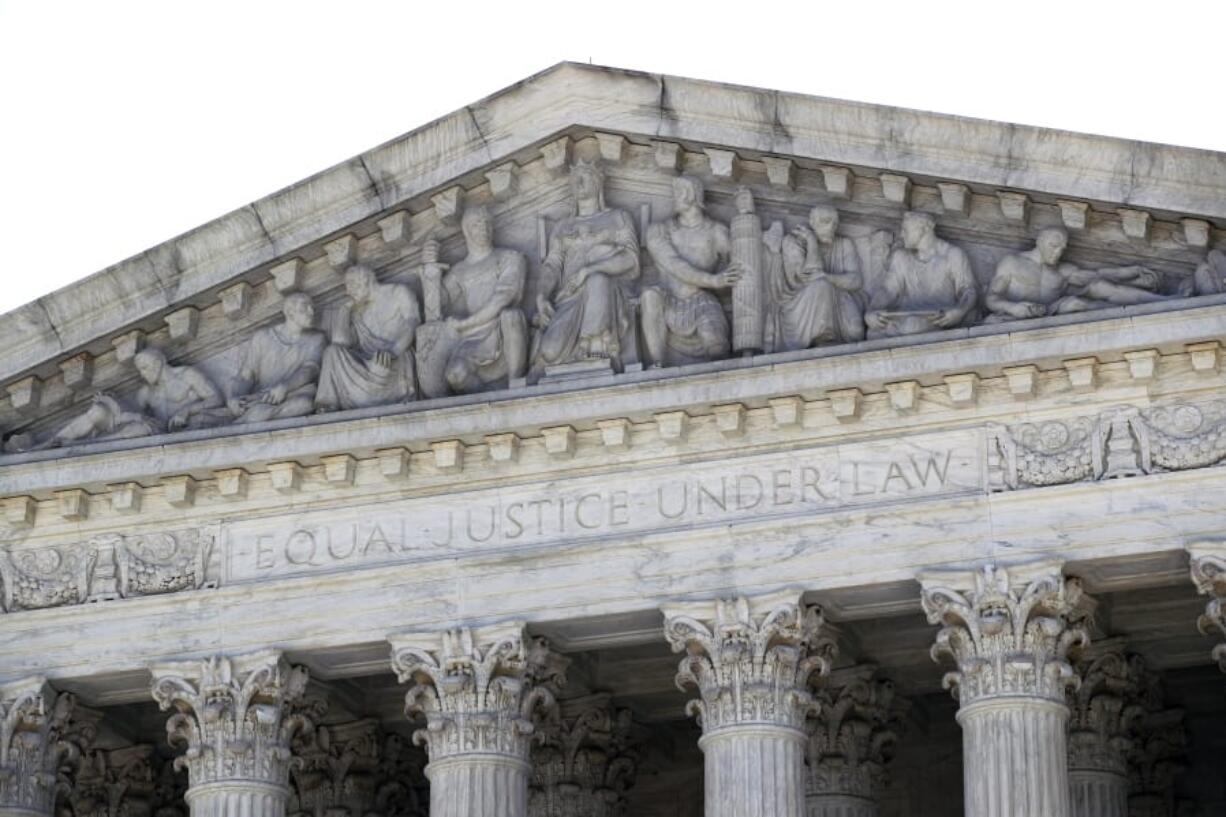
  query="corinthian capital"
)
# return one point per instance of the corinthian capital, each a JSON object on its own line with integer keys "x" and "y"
{"x": 852, "y": 738}
{"x": 1103, "y": 710}
{"x": 584, "y": 763}
{"x": 480, "y": 690}
{"x": 1209, "y": 575}
{"x": 751, "y": 659}
{"x": 233, "y": 715}
{"x": 33, "y": 722}
{"x": 1009, "y": 629}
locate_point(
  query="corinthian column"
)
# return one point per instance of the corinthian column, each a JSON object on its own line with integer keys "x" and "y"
{"x": 482, "y": 692}
{"x": 233, "y": 715}
{"x": 1009, "y": 630}
{"x": 29, "y": 748}
{"x": 583, "y": 764}
{"x": 751, "y": 660}
{"x": 1102, "y": 711}
{"x": 850, "y": 743}
{"x": 1209, "y": 576}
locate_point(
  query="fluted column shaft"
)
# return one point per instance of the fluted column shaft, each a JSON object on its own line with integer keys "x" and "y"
{"x": 840, "y": 805}
{"x": 233, "y": 715}
{"x": 1010, "y": 630}
{"x": 754, "y": 770}
{"x": 482, "y": 692}
{"x": 1097, "y": 793}
{"x": 751, "y": 660}
{"x": 237, "y": 798}
{"x": 28, "y": 754}
{"x": 472, "y": 785}
{"x": 1015, "y": 757}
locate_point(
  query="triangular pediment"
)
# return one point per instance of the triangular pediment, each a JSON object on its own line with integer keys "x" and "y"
{"x": 200, "y": 298}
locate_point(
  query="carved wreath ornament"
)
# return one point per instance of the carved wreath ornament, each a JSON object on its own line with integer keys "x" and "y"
{"x": 1008, "y": 638}
{"x": 751, "y": 669}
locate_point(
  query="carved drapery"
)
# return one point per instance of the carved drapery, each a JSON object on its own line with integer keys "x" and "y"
{"x": 584, "y": 762}
{"x": 850, "y": 744}
{"x": 483, "y": 693}
{"x": 752, "y": 660}
{"x": 1009, "y": 632}
{"x": 1103, "y": 711}
{"x": 233, "y": 716}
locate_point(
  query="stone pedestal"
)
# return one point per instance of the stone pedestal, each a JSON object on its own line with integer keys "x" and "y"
{"x": 481, "y": 692}
{"x": 233, "y": 715}
{"x": 1009, "y": 630}
{"x": 751, "y": 660}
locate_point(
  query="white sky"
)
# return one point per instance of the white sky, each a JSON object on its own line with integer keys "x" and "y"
{"x": 123, "y": 124}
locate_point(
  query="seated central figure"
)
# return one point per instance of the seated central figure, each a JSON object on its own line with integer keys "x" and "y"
{"x": 590, "y": 255}
{"x": 927, "y": 286}
{"x": 280, "y": 367}
{"x": 682, "y": 321}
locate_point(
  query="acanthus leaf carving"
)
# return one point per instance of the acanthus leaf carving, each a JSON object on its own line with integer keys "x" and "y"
{"x": 584, "y": 761}
{"x": 40, "y": 746}
{"x": 752, "y": 660}
{"x": 480, "y": 690}
{"x": 851, "y": 740}
{"x": 1009, "y": 630}
{"x": 232, "y": 714}
{"x": 1104, "y": 710}
{"x": 1208, "y": 565}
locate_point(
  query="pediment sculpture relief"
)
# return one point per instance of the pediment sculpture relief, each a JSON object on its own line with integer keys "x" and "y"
{"x": 691, "y": 285}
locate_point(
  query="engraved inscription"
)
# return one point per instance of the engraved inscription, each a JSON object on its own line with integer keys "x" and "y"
{"x": 661, "y": 499}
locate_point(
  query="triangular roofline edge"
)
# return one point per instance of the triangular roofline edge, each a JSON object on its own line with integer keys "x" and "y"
{"x": 519, "y": 118}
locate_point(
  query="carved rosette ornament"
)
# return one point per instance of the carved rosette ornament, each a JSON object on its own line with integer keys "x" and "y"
{"x": 1103, "y": 711}
{"x": 233, "y": 714}
{"x": 851, "y": 742}
{"x": 1010, "y": 632}
{"x": 483, "y": 693}
{"x": 752, "y": 661}
{"x": 584, "y": 762}
{"x": 1209, "y": 575}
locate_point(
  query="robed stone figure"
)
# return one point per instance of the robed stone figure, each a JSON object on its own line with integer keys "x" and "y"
{"x": 367, "y": 363}
{"x": 583, "y": 309}
{"x": 279, "y": 369}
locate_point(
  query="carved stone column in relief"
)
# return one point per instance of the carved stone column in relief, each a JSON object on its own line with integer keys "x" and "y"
{"x": 751, "y": 660}
{"x": 232, "y": 713}
{"x": 584, "y": 762}
{"x": 1159, "y": 751}
{"x": 1010, "y": 631}
{"x": 850, "y": 743}
{"x": 1103, "y": 710}
{"x": 32, "y": 725}
{"x": 483, "y": 692}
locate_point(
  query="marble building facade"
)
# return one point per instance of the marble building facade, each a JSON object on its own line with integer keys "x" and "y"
{"x": 625, "y": 444}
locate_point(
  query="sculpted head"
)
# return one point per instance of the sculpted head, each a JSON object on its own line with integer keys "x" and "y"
{"x": 478, "y": 227}
{"x": 917, "y": 230}
{"x": 687, "y": 192}
{"x": 587, "y": 181}
{"x": 298, "y": 310}
{"x": 1051, "y": 243}
{"x": 150, "y": 363}
{"x": 824, "y": 220}
{"x": 359, "y": 283}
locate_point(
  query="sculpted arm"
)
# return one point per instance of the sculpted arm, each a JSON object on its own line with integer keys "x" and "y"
{"x": 669, "y": 261}
{"x": 512, "y": 273}
{"x": 997, "y": 299}
{"x": 411, "y": 314}
{"x": 624, "y": 256}
{"x": 967, "y": 289}
{"x": 886, "y": 294}
{"x": 849, "y": 277}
